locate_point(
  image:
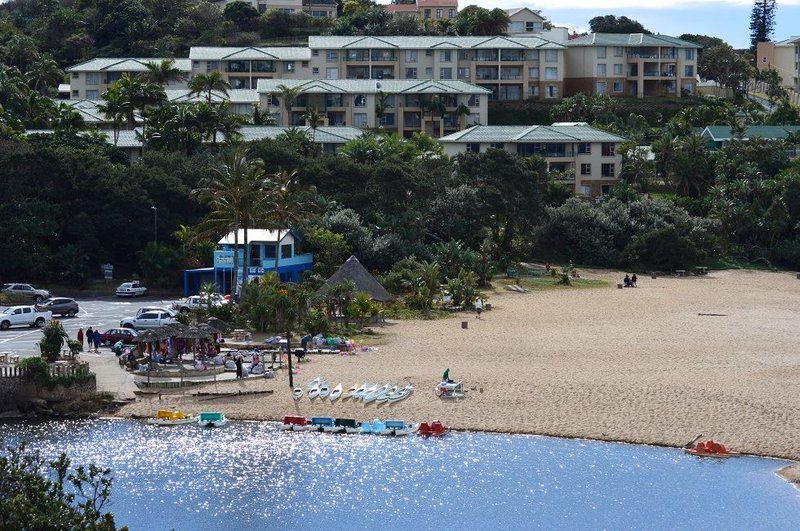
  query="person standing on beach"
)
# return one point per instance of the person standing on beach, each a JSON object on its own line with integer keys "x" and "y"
{"x": 239, "y": 368}
{"x": 478, "y": 307}
{"x": 79, "y": 337}
{"x": 89, "y": 339}
{"x": 96, "y": 337}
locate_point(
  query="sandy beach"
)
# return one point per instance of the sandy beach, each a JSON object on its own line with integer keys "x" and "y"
{"x": 717, "y": 355}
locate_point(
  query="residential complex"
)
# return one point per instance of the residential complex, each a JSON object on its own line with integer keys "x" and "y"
{"x": 243, "y": 67}
{"x": 90, "y": 79}
{"x": 783, "y": 56}
{"x": 526, "y": 21}
{"x": 401, "y": 106}
{"x": 427, "y": 9}
{"x": 632, "y": 65}
{"x": 585, "y": 158}
{"x": 315, "y": 8}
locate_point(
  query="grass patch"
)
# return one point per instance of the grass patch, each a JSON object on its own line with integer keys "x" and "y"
{"x": 550, "y": 283}
{"x": 741, "y": 263}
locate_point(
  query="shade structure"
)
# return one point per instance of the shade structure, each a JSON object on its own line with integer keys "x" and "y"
{"x": 353, "y": 271}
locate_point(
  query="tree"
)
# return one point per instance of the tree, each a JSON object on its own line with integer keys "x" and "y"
{"x": 612, "y": 24}
{"x": 287, "y": 95}
{"x": 243, "y": 14}
{"x": 208, "y": 83}
{"x": 315, "y": 118}
{"x": 42, "y": 73}
{"x": 68, "y": 120}
{"x": 53, "y": 338}
{"x": 40, "y": 494}
{"x": 762, "y": 22}
{"x": 115, "y": 108}
{"x": 288, "y": 203}
{"x": 474, "y": 20}
{"x": 381, "y": 105}
{"x": 163, "y": 73}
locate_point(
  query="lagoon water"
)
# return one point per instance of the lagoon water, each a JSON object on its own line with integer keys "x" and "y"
{"x": 249, "y": 475}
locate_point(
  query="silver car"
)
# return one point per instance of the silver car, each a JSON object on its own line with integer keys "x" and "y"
{"x": 59, "y": 306}
{"x": 26, "y": 290}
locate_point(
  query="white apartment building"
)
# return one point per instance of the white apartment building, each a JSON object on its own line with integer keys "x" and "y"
{"x": 90, "y": 79}
{"x": 243, "y": 67}
{"x": 583, "y": 157}
{"x": 315, "y": 8}
{"x": 632, "y": 65}
{"x": 512, "y": 68}
{"x": 527, "y": 21}
{"x": 783, "y": 56}
{"x": 354, "y": 102}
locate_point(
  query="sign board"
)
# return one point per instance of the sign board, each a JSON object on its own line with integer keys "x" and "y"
{"x": 255, "y": 270}
{"x": 223, "y": 259}
{"x": 108, "y": 271}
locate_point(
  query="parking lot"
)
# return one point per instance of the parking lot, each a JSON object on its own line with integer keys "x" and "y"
{"x": 103, "y": 312}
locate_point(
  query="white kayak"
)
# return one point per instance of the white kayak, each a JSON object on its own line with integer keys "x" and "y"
{"x": 367, "y": 391}
{"x": 402, "y": 394}
{"x": 350, "y": 392}
{"x": 314, "y": 392}
{"x": 324, "y": 390}
{"x": 375, "y": 394}
{"x": 314, "y": 383}
{"x": 385, "y": 396}
{"x": 336, "y": 394}
{"x": 298, "y": 393}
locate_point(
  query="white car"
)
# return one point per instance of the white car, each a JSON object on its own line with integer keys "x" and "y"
{"x": 196, "y": 302}
{"x": 149, "y": 309}
{"x": 131, "y": 289}
{"x": 152, "y": 319}
{"x": 23, "y": 315}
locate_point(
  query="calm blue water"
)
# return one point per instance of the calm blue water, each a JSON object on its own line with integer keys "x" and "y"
{"x": 249, "y": 475}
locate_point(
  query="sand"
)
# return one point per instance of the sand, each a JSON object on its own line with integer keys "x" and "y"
{"x": 637, "y": 365}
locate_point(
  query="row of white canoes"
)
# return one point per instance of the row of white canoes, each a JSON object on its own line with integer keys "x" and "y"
{"x": 378, "y": 393}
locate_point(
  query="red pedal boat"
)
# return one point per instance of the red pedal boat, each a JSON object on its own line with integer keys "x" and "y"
{"x": 295, "y": 423}
{"x": 434, "y": 429}
{"x": 709, "y": 448}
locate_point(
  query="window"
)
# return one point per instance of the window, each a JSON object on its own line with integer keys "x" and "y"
{"x": 360, "y": 100}
{"x": 473, "y": 101}
{"x": 601, "y": 70}
{"x": 586, "y": 189}
{"x": 388, "y": 119}
{"x": 428, "y": 72}
{"x": 315, "y": 70}
{"x": 331, "y": 73}
{"x": 497, "y": 145}
{"x": 411, "y": 73}
{"x": 445, "y": 56}
{"x": 255, "y": 256}
{"x": 451, "y": 13}
{"x": 473, "y": 147}
{"x": 91, "y": 95}
{"x": 427, "y": 14}
{"x": 533, "y": 72}
{"x": 360, "y": 119}
{"x": 617, "y": 86}
{"x": 618, "y": 68}
{"x": 212, "y": 65}
{"x": 463, "y": 73}
{"x": 601, "y": 52}
{"x": 602, "y": 87}
{"x": 531, "y": 26}
{"x": 288, "y": 66}
{"x": 607, "y": 170}
{"x": 445, "y": 73}
{"x": 689, "y": 54}
{"x": 315, "y": 53}
{"x": 332, "y": 56}
{"x": 272, "y": 101}
{"x": 688, "y": 87}
{"x": 439, "y": 13}
{"x": 465, "y": 55}
{"x": 586, "y": 169}
{"x": 428, "y": 53}
{"x": 688, "y": 71}
{"x": 92, "y": 78}
{"x": 269, "y": 251}
{"x": 286, "y": 250}
{"x": 584, "y": 148}
{"x": 608, "y": 149}
{"x": 551, "y": 73}
{"x": 305, "y": 64}
{"x": 75, "y": 94}
{"x": 551, "y": 56}
{"x": 551, "y": 91}
{"x": 411, "y": 56}
{"x": 76, "y": 75}
{"x": 533, "y": 91}
{"x": 618, "y": 51}
{"x": 605, "y": 189}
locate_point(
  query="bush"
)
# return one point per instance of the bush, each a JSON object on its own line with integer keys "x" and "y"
{"x": 317, "y": 322}
{"x": 35, "y": 368}
{"x": 53, "y": 337}
{"x": 663, "y": 250}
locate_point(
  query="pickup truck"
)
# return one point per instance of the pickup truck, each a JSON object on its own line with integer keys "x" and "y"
{"x": 23, "y": 315}
{"x": 152, "y": 319}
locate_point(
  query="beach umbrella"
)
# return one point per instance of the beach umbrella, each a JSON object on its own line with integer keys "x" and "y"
{"x": 218, "y": 325}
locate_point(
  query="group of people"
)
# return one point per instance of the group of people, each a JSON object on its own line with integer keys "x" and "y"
{"x": 630, "y": 282}
{"x": 92, "y": 339}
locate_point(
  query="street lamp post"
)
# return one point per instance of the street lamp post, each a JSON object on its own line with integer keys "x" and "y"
{"x": 155, "y": 224}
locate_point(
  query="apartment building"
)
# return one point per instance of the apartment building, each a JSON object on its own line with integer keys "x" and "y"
{"x": 90, "y": 79}
{"x": 783, "y": 56}
{"x": 511, "y": 68}
{"x": 243, "y": 67}
{"x": 530, "y": 22}
{"x": 427, "y": 9}
{"x": 399, "y": 106}
{"x": 585, "y": 158}
{"x": 315, "y": 8}
{"x": 633, "y": 65}
{"x": 240, "y": 101}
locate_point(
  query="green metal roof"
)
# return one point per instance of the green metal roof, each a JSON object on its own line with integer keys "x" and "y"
{"x": 248, "y": 53}
{"x": 324, "y": 134}
{"x": 628, "y": 39}
{"x": 578, "y": 132}
{"x": 723, "y": 133}
{"x": 443, "y": 43}
{"x": 372, "y": 86}
{"x": 125, "y": 64}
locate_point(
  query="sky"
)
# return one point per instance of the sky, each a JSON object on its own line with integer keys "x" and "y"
{"x": 728, "y": 19}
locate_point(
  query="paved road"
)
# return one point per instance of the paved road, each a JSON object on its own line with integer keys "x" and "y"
{"x": 99, "y": 312}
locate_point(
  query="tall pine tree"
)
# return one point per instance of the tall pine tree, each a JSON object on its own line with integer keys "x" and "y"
{"x": 762, "y": 21}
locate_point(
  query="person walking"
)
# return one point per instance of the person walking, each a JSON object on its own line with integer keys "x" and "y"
{"x": 96, "y": 337}
{"x": 478, "y": 307}
{"x": 79, "y": 337}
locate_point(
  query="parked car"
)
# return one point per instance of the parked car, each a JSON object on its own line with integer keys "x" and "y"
{"x": 133, "y": 288}
{"x": 60, "y": 306}
{"x": 148, "y": 320}
{"x": 196, "y": 302}
{"x": 148, "y": 309}
{"x": 26, "y": 290}
{"x": 23, "y": 315}
{"x": 112, "y": 335}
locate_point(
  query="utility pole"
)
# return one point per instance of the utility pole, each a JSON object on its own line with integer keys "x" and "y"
{"x": 155, "y": 224}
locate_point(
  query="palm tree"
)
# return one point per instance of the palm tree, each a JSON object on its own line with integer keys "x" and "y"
{"x": 288, "y": 203}
{"x": 287, "y": 95}
{"x": 435, "y": 106}
{"x": 43, "y": 72}
{"x": 141, "y": 95}
{"x": 163, "y": 73}
{"x": 260, "y": 117}
{"x": 664, "y": 151}
{"x": 115, "y": 109}
{"x": 381, "y": 104}
{"x": 462, "y": 111}
{"x": 207, "y": 83}
{"x": 68, "y": 120}
{"x": 315, "y": 118}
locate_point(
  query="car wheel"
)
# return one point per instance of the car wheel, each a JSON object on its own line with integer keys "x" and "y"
{"x": 72, "y": 313}
{"x": 37, "y": 299}
{"x": 5, "y": 325}
{"x": 39, "y": 322}
{"x": 128, "y": 326}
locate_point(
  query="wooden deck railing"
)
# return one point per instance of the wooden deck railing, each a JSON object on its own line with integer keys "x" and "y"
{"x": 12, "y": 371}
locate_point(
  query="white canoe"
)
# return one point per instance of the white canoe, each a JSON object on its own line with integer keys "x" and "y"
{"x": 324, "y": 390}
{"x": 168, "y": 422}
{"x": 361, "y": 391}
{"x": 314, "y": 383}
{"x": 336, "y": 394}
{"x": 297, "y": 393}
{"x": 368, "y": 391}
{"x": 385, "y": 396}
{"x": 402, "y": 394}
{"x": 313, "y": 393}
{"x": 350, "y": 392}
{"x": 375, "y": 394}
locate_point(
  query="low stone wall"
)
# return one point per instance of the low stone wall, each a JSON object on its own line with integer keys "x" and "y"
{"x": 21, "y": 395}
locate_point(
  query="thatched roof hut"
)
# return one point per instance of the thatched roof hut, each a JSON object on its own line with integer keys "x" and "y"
{"x": 356, "y": 273}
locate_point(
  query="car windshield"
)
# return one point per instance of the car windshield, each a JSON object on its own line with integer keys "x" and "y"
{"x": 48, "y": 302}
{"x": 9, "y": 310}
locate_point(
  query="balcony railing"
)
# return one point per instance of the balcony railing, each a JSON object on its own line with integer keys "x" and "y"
{"x": 383, "y": 57}
{"x": 358, "y": 58}
{"x": 485, "y": 76}
{"x": 669, "y": 56}
{"x": 643, "y": 55}
{"x": 650, "y": 74}
{"x": 510, "y": 76}
{"x": 486, "y": 57}
{"x": 264, "y": 69}
{"x": 512, "y": 57}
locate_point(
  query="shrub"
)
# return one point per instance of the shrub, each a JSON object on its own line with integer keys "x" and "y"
{"x": 53, "y": 337}
{"x": 317, "y": 322}
{"x": 663, "y": 249}
{"x": 35, "y": 368}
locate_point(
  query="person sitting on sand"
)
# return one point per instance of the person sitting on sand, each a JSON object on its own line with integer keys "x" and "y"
{"x": 633, "y": 280}
{"x": 446, "y": 376}
{"x": 627, "y": 281}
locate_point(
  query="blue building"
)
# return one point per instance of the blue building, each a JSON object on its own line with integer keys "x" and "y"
{"x": 266, "y": 247}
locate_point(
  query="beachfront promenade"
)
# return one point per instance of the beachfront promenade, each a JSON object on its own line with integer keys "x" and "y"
{"x": 658, "y": 364}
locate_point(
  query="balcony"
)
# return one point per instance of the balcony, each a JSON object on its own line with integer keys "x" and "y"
{"x": 412, "y": 120}
{"x": 357, "y": 57}
{"x": 485, "y": 74}
{"x": 486, "y": 56}
{"x": 383, "y": 56}
{"x": 237, "y": 66}
{"x": 669, "y": 56}
{"x": 510, "y": 75}
{"x": 650, "y": 73}
{"x": 512, "y": 55}
{"x": 260, "y": 66}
